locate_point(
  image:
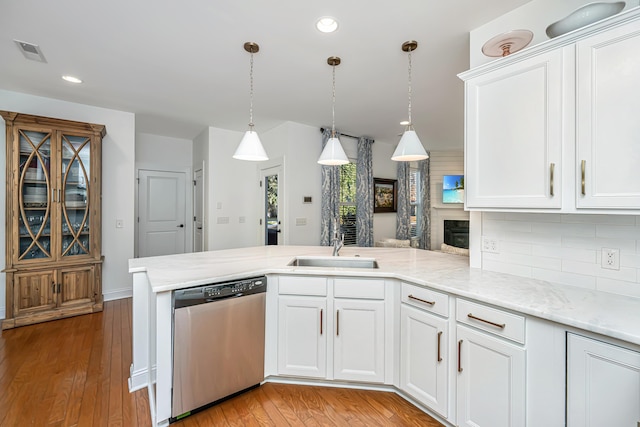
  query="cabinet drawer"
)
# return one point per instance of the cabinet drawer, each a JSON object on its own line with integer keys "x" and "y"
{"x": 425, "y": 299}
{"x": 302, "y": 285}
{"x": 498, "y": 322}
{"x": 358, "y": 288}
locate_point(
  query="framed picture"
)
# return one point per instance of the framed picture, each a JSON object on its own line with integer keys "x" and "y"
{"x": 385, "y": 194}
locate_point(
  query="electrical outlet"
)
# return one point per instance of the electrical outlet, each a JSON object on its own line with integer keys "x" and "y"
{"x": 490, "y": 244}
{"x": 611, "y": 258}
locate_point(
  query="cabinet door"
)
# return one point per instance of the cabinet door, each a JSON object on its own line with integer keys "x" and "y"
{"x": 33, "y": 292}
{"x": 33, "y": 195}
{"x": 603, "y": 384}
{"x": 513, "y": 137}
{"x": 74, "y": 169}
{"x": 423, "y": 358}
{"x": 76, "y": 285}
{"x": 359, "y": 340}
{"x": 302, "y": 336}
{"x": 491, "y": 381}
{"x": 608, "y": 129}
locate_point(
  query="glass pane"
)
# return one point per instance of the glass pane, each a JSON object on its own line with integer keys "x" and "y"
{"x": 34, "y": 219}
{"x": 76, "y": 163}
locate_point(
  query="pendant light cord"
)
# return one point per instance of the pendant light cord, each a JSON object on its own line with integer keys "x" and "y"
{"x": 410, "y": 122}
{"x": 333, "y": 104}
{"x": 251, "y": 93}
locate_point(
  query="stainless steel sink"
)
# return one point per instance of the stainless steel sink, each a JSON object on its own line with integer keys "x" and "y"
{"x": 339, "y": 262}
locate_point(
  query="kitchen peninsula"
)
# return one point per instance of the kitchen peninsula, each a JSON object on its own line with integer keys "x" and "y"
{"x": 528, "y": 324}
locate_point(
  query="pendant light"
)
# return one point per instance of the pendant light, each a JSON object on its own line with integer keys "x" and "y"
{"x": 409, "y": 148}
{"x": 333, "y": 154}
{"x": 250, "y": 147}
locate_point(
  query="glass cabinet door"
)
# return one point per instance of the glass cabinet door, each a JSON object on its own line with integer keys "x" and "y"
{"x": 35, "y": 186}
{"x": 76, "y": 224}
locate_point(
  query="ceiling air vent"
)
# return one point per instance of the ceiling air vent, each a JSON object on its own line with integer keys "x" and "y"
{"x": 30, "y": 51}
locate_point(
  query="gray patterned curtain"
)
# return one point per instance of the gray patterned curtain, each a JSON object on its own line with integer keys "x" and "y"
{"x": 424, "y": 227}
{"x": 364, "y": 193}
{"x": 330, "y": 197}
{"x": 403, "y": 215}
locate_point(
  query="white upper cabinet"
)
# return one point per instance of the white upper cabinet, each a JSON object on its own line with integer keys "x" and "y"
{"x": 555, "y": 127}
{"x": 514, "y": 135}
{"x": 608, "y": 119}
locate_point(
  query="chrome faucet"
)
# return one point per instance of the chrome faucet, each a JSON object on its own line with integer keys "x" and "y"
{"x": 338, "y": 241}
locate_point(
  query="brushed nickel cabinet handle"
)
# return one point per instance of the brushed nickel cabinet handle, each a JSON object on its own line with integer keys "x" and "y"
{"x": 53, "y": 195}
{"x": 422, "y": 300}
{"x": 497, "y": 325}
{"x": 59, "y": 196}
{"x": 583, "y": 168}
{"x": 552, "y": 168}
{"x": 337, "y": 323}
{"x": 321, "y": 321}
{"x": 459, "y": 355}
{"x": 439, "y": 339}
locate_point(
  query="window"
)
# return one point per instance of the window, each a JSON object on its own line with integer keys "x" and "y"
{"x": 415, "y": 199}
{"x": 347, "y": 208}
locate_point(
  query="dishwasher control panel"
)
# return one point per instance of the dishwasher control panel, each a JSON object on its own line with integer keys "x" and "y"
{"x": 210, "y": 293}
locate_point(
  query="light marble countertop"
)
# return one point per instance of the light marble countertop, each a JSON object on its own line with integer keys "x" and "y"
{"x": 599, "y": 312}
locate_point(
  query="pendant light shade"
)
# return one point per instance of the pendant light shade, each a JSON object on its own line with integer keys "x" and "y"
{"x": 250, "y": 147}
{"x": 409, "y": 148}
{"x": 333, "y": 154}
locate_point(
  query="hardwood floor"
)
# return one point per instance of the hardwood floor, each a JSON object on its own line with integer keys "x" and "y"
{"x": 73, "y": 372}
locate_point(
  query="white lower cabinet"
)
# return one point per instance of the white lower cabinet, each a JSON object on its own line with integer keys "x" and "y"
{"x": 603, "y": 384}
{"x": 424, "y": 358}
{"x": 491, "y": 381}
{"x": 331, "y": 332}
{"x": 359, "y": 340}
{"x": 302, "y": 338}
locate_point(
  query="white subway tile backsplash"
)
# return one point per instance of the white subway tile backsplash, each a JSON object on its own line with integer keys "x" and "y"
{"x": 532, "y": 217}
{"x": 618, "y": 287}
{"x": 566, "y": 248}
{"x": 502, "y": 267}
{"x": 571, "y": 279}
{"x": 577, "y": 230}
{"x": 599, "y": 219}
{"x": 626, "y": 274}
{"x": 617, "y": 231}
{"x": 533, "y": 238}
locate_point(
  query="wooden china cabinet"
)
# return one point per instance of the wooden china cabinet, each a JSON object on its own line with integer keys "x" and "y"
{"x": 53, "y": 219}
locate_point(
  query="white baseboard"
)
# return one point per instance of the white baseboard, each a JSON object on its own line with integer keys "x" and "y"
{"x": 138, "y": 380}
{"x": 3, "y": 312}
{"x": 117, "y": 294}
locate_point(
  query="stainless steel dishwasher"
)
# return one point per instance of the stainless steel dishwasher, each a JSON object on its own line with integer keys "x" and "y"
{"x": 218, "y": 342}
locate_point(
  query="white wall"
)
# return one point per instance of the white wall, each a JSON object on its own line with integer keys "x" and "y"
{"x": 167, "y": 154}
{"x": 566, "y": 248}
{"x": 384, "y": 224}
{"x": 444, "y": 163}
{"x": 535, "y": 16}
{"x": 118, "y": 182}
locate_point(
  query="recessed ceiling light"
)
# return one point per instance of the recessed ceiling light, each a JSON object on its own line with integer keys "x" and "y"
{"x": 327, "y": 24}
{"x": 72, "y": 79}
{"x": 404, "y": 123}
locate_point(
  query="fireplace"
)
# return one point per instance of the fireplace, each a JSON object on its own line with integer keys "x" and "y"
{"x": 456, "y": 233}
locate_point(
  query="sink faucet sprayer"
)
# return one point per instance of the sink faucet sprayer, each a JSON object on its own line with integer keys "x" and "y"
{"x": 338, "y": 240}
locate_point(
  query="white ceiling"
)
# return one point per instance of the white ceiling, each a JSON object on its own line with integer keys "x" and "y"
{"x": 180, "y": 65}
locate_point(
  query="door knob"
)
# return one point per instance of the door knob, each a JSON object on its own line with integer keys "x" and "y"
{"x": 180, "y": 226}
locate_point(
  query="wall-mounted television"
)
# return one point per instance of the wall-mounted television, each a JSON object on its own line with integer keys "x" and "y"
{"x": 453, "y": 189}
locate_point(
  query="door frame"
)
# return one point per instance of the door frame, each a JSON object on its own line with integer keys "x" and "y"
{"x": 204, "y": 209}
{"x": 282, "y": 202}
{"x": 188, "y": 244}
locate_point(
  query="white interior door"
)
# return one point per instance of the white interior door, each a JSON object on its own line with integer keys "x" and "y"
{"x": 198, "y": 211}
{"x": 161, "y": 209}
{"x": 272, "y": 218}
